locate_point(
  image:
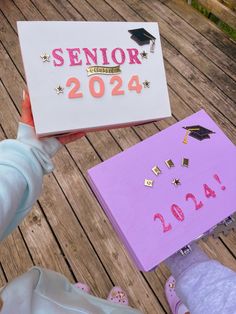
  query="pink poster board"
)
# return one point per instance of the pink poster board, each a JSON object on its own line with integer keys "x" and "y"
{"x": 155, "y": 222}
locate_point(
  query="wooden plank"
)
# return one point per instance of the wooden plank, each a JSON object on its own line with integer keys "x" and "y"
{"x": 85, "y": 9}
{"x": 48, "y": 11}
{"x": 230, "y": 241}
{"x": 219, "y": 10}
{"x": 190, "y": 52}
{"x": 204, "y": 86}
{"x": 105, "y": 10}
{"x": 208, "y": 29}
{"x": 124, "y": 10}
{"x": 213, "y": 53}
{"x": 69, "y": 12}
{"x": 9, "y": 39}
{"x": 229, "y": 3}
{"x": 196, "y": 101}
{"x": 15, "y": 258}
{"x": 3, "y": 279}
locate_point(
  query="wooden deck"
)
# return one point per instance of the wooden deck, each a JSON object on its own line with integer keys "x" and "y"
{"x": 67, "y": 230}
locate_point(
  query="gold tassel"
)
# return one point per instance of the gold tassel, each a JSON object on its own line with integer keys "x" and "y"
{"x": 185, "y": 141}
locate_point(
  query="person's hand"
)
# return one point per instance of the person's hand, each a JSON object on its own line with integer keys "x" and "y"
{"x": 26, "y": 113}
{"x": 27, "y": 118}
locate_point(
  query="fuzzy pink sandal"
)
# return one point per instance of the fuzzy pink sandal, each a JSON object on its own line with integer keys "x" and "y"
{"x": 176, "y": 305}
{"x": 117, "y": 295}
{"x": 83, "y": 287}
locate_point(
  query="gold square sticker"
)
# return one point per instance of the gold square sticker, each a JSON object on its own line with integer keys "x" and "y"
{"x": 148, "y": 182}
{"x": 156, "y": 170}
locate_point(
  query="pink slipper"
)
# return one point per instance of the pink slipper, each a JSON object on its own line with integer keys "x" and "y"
{"x": 117, "y": 295}
{"x": 176, "y": 305}
{"x": 83, "y": 287}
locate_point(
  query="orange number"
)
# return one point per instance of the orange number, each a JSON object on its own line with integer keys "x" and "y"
{"x": 116, "y": 89}
{"x": 74, "y": 93}
{"x": 100, "y": 82}
{"x": 134, "y": 84}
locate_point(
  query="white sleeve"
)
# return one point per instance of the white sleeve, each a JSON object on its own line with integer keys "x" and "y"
{"x": 23, "y": 162}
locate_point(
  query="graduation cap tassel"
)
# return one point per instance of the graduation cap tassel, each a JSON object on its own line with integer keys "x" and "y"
{"x": 185, "y": 141}
{"x": 152, "y": 48}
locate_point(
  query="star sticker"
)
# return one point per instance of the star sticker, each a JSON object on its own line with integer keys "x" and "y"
{"x": 176, "y": 182}
{"x": 144, "y": 55}
{"x": 59, "y": 90}
{"x": 146, "y": 84}
{"x": 45, "y": 57}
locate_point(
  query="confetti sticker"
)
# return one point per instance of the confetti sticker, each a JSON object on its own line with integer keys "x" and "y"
{"x": 156, "y": 170}
{"x": 59, "y": 90}
{"x": 176, "y": 182}
{"x": 144, "y": 55}
{"x": 45, "y": 57}
{"x": 169, "y": 163}
{"x": 146, "y": 84}
{"x": 148, "y": 182}
{"x": 185, "y": 162}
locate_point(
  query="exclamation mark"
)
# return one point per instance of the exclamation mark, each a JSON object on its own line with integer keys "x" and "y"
{"x": 216, "y": 177}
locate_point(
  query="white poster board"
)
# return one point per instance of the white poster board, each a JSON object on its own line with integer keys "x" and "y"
{"x": 61, "y": 60}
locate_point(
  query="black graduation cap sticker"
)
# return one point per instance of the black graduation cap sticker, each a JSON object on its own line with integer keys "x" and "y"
{"x": 198, "y": 132}
{"x": 143, "y": 37}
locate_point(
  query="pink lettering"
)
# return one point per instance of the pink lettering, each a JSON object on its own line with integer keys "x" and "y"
{"x": 104, "y": 55}
{"x": 73, "y": 55}
{"x": 122, "y": 55}
{"x": 57, "y": 57}
{"x": 91, "y": 55}
{"x": 133, "y": 56}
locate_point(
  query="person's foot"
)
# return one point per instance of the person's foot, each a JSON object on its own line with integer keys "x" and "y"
{"x": 83, "y": 287}
{"x": 176, "y": 305}
{"x": 117, "y": 295}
